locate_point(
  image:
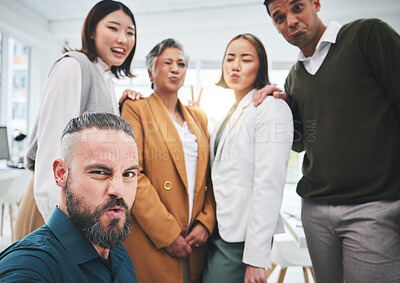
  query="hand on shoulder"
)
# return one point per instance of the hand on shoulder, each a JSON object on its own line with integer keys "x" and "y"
{"x": 130, "y": 94}
{"x": 261, "y": 94}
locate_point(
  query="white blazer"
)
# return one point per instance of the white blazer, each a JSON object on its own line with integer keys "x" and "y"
{"x": 248, "y": 174}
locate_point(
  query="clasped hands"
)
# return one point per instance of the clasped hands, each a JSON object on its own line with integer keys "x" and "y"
{"x": 182, "y": 247}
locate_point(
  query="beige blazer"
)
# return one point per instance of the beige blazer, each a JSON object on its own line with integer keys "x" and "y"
{"x": 161, "y": 208}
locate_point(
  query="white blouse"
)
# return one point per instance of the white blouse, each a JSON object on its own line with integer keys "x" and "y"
{"x": 60, "y": 103}
{"x": 190, "y": 151}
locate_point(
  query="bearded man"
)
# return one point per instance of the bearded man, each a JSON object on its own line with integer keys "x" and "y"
{"x": 82, "y": 241}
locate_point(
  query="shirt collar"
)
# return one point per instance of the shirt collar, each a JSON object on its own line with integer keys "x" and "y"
{"x": 101, "y": 65}
{"x": 72, "y": 239}
{"x": 329, "y": 36}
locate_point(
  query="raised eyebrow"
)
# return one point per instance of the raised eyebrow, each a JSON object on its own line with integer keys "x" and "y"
{"x": 293, "y": 2}
{"x": 134, "y": 167}
{"x": 290, "y": 3}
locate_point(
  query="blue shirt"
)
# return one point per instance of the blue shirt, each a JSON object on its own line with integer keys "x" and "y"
{"x": 59, "y": 252}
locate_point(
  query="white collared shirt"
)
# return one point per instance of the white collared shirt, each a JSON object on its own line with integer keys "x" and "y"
{"x": 190, "y": 150}
{"x": 313, "y": 63}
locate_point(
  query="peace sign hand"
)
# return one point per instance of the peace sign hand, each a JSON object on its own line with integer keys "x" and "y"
{"x": 195, "y": 102}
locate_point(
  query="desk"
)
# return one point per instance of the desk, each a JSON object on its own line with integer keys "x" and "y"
{"x": 7, "y": 173}
{"x": 290, "y": 213}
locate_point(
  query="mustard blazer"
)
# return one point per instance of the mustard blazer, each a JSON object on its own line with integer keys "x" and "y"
{"x": 161, "y": 209}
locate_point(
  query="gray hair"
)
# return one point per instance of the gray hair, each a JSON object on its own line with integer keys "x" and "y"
{"x": 90, "y": 120}
{"x": 151, "y": 58}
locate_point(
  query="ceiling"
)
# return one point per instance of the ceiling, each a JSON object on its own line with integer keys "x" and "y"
{"x": 61, "y": 10}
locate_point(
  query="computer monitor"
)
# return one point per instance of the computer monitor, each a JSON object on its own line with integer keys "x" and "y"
{"x": 4, "y": 150}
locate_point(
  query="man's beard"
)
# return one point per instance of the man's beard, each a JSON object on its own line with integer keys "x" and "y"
{"x": 108, "y": 237}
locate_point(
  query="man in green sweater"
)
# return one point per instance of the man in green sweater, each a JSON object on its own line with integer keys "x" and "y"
{"x": 344, "y": 92}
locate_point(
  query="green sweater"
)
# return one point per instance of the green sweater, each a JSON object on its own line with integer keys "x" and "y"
{"x": 347, "y": 117}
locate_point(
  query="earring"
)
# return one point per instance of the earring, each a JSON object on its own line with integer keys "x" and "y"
{"x": 57, "y": 181}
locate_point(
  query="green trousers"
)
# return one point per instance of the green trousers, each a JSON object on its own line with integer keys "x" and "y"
{"x": 224, "y": 261}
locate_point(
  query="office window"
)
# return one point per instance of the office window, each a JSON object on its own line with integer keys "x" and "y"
{"x": 17, "y": 95}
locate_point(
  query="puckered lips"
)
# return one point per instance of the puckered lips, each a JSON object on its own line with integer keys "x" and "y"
{"x": 235, "y": 77}
{"x": 115, "y": 211}
{"x": 174, "y": 79}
